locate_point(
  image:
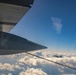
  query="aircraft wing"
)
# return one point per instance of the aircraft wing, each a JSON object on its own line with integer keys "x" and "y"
{"x": 12, "y": 44}
{"x": 11, "y": 11}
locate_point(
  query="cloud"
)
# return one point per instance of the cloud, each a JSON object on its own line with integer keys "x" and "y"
{"x": 32, "y": 71}
{"x": 9, "y": 67}
{"x": 57, "y": 24}
{"x": 10, "y": 74}
{"x": 39, "y": 66}
{"x": 49, "y": 67}
{"x": 31, "y": 61}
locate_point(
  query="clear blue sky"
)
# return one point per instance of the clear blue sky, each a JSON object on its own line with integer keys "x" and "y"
{"x": 51, "y": 23}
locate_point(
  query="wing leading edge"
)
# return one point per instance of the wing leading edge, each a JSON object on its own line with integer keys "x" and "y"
{"x": 12, "y": 44}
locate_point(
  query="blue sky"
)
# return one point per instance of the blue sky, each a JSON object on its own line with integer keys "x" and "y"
{"x": 51, "y": 23}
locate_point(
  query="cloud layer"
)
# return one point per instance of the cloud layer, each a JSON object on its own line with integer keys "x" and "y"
{"x": 24, "y": 64}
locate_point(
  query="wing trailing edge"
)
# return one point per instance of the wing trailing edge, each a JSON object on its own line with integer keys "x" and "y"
{"x": 11, "y": 11}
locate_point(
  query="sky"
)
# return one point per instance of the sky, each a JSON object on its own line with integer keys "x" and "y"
{"x": 51, "y": 23}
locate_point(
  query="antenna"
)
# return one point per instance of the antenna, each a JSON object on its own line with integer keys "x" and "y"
{"x": 51, "y": 61}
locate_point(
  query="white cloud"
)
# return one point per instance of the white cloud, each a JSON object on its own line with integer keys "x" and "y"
{"x": 57, "y": 24}
{"x": 50, "y": 67}
{"x": 7, "y": 66}
{"x": 10, "y": 74}
{"x": 31, "y": 61}
{"x": 37, "y": 65}
{"x": 32, "y": 71}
